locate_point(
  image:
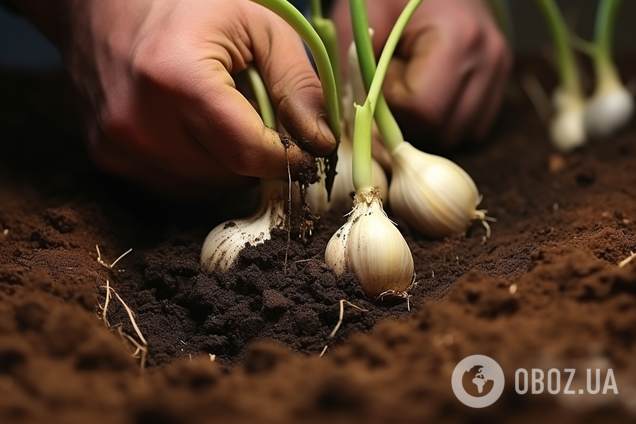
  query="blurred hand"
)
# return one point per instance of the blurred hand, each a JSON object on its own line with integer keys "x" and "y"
{"x": 450, "y": 67}
{"x": 156, "y": 79}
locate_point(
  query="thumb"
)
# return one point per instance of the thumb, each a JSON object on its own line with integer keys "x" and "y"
{"x": 293, "y": 85}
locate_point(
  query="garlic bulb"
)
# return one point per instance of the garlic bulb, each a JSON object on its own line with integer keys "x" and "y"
{"x": 610, "y": 108}
{"x": 224, "y": 243}
{"x": 432, "y": 194}
{"x": 567, "y": 129}
{"x": 370, "y": 246}
{"x": 343, "y": 184}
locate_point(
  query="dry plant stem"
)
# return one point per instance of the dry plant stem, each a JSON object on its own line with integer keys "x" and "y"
{"x": 624, "y": 262}
{"x": 142, "y": 349}
{"x": 101, "y": 261}
{"x": 106, "y": 302}
{"x": 131, "y": 315}
{"x": 324, "y": 349}
{"x": 342, "y": 302}
{"x": 141, "y": 352}
{"x": 289, "y": 210}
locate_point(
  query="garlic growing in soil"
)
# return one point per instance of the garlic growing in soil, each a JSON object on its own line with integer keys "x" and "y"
{"x": 370, "y": 246}
{"x": 433, "y": 194}
{"x": 567, "y": 128}
{"x": 224, "y": 243}
{"x": 610, "y": 108}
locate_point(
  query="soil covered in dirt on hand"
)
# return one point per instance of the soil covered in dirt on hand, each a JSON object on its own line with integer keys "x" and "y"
{"x": 544, "y": 292}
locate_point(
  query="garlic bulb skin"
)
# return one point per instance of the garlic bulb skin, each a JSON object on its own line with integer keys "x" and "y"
{"x": 370, "y": 246}
{"x": 343, "y": 184}
{"x": 224, "y": 243}
{"x": 609, "y": 109}
{"x": 567, "y": 129}
{"x": 432, "y": 194}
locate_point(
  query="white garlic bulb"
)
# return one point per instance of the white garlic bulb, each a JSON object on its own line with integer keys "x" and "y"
{"x": 343, "y": 184}
{"x": 610, "y": 108}
{"x": 370, "y": 246}
{"x": 224, "y": 243}
{"x": 433, "y": 194}
{"x": 567, "y": 129}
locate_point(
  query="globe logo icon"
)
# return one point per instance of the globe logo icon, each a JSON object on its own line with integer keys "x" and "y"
{"x": 478, "y": 381}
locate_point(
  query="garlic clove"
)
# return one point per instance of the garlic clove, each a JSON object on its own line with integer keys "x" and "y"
{"x": 567, "y": 129}
{"x": 224, "y": 243}
{"x": 370, "y": 246}
{"x": 431, "y": 193}
{"x": 609, "y": 110}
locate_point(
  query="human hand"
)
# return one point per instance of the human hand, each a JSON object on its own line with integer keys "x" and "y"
{"x": 157, "y": 83}
{"x": 450, "y": 68}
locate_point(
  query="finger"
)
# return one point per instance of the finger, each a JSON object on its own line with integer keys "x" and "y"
{"x": 428, "y": 83}
{"x": 178, "y": 156}
{"x": 144, "y": 133}
{"x": 467, "y": 107}
{"x": 115, "y": 160}
{"x": 487, "y": 115}
{"x": 293, "y": 85}
{"x": 227, "y": 125}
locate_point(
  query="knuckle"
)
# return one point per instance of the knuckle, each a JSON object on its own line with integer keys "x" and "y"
{"x": 471, "y": 33}
{"x": 497, "y": 50}
{"x": 297, "y": 81}
{"x": 117, "y": 121}
{"x": 157, "y": 63}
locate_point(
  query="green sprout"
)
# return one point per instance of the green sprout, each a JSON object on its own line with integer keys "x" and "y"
{"x": 387, "y": 125}
{"x": 327, "y": 31}
{"x": 362, "y": 174}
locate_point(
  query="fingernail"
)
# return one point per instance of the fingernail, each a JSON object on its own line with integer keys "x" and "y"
{"x": 323, "y": 126}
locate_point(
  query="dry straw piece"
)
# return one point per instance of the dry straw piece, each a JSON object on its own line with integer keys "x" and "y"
{"x": 101, "y": 261}
{"x": 141, "y": 348}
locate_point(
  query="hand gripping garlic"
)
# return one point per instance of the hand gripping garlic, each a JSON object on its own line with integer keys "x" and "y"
{"x": 567, "y": 129}
{"x": 370, "y": 246}
{"x": 610, "y": 108}
{"x": 432, "y": 194}
{"x": 224, "y": 243}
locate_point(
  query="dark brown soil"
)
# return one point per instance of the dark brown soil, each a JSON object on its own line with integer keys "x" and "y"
{"x": 544, "y": 292}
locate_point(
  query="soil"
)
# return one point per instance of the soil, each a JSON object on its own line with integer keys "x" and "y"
{"x": 545, "y": 291}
